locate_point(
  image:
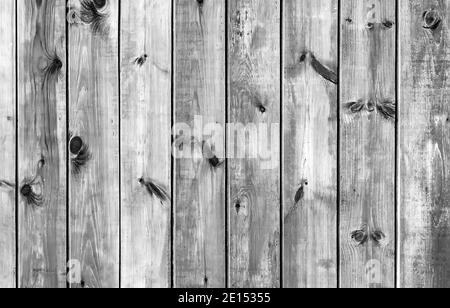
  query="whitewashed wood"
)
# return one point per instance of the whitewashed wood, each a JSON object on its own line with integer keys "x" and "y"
{"x": 254, "y": 183}
{"x": 42, "y": 143}
{"x": 310, "y": 144}
{"x": 8, "y": 143}
{"x": 94, "y": 116}
{"x": 367, "y": 148}
{"x": 424, "y": 255}
{"x": 145, "y": 146}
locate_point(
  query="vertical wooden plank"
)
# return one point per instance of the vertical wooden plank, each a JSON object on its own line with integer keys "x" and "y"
{"x": 367, "y": 175}
{"x": 145, "y": 146}
{"x": 42, "y": 143}
{"x": 199, "y": 179}
{"x": 310, "y": 143}
{"x": 254, "y": 177}
{"x": 94, "y": 146}
{"x": 7, "y": 142}
{"x": 424, "y": 143}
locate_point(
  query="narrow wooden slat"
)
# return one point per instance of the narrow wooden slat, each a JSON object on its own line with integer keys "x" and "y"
{"x": 94, "y": 159}
{"x": 310, "y": 144}
{"x": 367, "y": 149}
{"x": 42, "y": 143}
{"x": 199, "y": 241}
{"x": 145, "y": 141}
{"x": 8, "y": 143}
{"x": 254, "y": 180}
{"x": 424, "y": 143}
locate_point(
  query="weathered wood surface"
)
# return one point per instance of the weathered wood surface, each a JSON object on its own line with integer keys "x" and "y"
{"x": 254, "y": 180}
{"x": 310, "y": 144}
{"x": 145, "y": 142}
{"x": 41, "y": 143}
{"x": 94, "y": 159}
{"x": 367, "y": 145}
{"x": 199, "y": 83}
{"x": 424, "y": 223}
{"x": 8, "y": 143}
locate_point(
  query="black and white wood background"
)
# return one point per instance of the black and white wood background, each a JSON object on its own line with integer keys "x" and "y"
{"x": 89, "y": 91}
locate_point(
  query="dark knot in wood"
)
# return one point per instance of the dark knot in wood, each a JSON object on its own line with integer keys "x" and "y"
{"x": 360, "y": 236}
{"x": 386, "y": 108}
{"x": 388, "y": 23}
{"x": 431, "y": 19}
{"x": 76, "y": 144}
{"x": 99, "y": 3}
{"x": 378, "y": 237}
{"x": 26, "y": 190}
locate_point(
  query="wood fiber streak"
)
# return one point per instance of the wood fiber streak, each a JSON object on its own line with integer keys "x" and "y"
{"x": 94, "y": 116}
{"x": 254, "y": 162}
{"x": 199, "y": 241}
{"x": 145, "y": 141}
{"x": 310, "y": 145}
{"x": 367, "y": 149}
{"x": 424, "y": 144}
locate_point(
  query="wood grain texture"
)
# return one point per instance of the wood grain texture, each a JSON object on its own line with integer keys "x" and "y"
{"x": 42, "y": 146}
{"x": 146, "y": 135}
{"x": 7, "y": 142}
{"x": 94, "y": 116}
{"x": 424, "y": 256}
{"x": 367, "y": 157}
{"x": 254, "y": 180}
{"x": 199, "y": 243}
{"x": 310, "y": 145}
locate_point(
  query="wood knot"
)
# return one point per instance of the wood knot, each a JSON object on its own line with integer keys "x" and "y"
{"x": 349, "y": 20}
{"x": 370, "y": 25}
{"x": 73, "y": 17}
{"x": 76, "y": 144}
{"x": 140, "y": 61}
{"x": 238, "y": 206}
{"x": 378, "y": 237}
{"x": 388, "y": 24}
{"x": 360, "y": 236}
{"x": 431, "y": 19}
{"x": 99, "y": 3}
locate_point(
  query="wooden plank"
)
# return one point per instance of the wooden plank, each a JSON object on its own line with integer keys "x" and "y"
{"x": 254, "y": 180}
{"x": 310, "y": 144}
{"x": 94, "y": 146}
{"x": 424, "y": 256}
{"x": 367, "y": 153}
{"x": 199, "y": 203}
{"x": 145, "y": 146}
{"x": 42, "y": 143}
{"x": 7, "y": 142}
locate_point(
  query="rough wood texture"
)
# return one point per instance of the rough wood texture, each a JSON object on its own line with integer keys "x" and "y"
{"x": 199, "y": 241}
{"x": 94, "y": 162}
{"x": 42, "y": 143}
{"x": 254, "y": 89}
{"x": 367, "y": 175}
{"x": 424, "y": 227}
{"x": 8, "y": 143}
{"x": 310, "y": 144}
{"x": 145, "y": 134}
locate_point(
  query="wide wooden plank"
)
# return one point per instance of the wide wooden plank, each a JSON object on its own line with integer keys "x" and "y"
{"x": 310, "y": 143}
{"x": 7, "y": 142}
{"x": 424, "y": 212}
{"x": 94, "y": 142}
{"x": 254, "y": 162}
{"x": 367, "y": 149}
{"x": 145, "y": 142}
{"x": 42, "y": 143}
{"x": 199, "y": 243}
